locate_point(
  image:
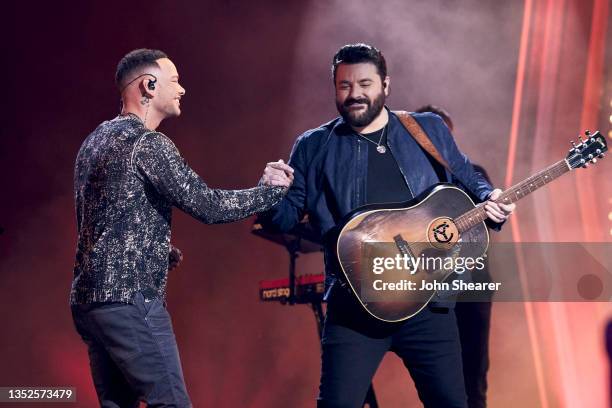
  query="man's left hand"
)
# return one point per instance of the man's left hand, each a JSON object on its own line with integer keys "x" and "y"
{"x": 498, "y": 212}
{"x": 174, "y": 257}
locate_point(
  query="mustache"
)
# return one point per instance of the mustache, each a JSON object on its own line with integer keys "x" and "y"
{"x": 355, "y": 101}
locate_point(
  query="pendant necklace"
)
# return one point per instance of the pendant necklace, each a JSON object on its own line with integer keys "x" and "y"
{"x": 380, "y": 148}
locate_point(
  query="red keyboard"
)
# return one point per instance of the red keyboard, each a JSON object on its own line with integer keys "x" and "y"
{"x": 308, "y": 288}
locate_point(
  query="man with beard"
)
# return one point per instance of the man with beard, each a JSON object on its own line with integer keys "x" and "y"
{"x": 366, "y": 156}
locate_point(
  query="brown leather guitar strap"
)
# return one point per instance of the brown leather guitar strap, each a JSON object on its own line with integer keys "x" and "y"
{"x": 417, "y": 132}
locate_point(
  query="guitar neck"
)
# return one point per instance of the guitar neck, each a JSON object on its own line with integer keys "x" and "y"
{"x": 514, "y": 193}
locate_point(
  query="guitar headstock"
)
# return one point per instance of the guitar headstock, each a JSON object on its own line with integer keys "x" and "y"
{"x": 587, "y": 150}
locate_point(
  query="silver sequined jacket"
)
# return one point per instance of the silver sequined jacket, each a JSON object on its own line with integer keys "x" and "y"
{"x": 126, "y": 181}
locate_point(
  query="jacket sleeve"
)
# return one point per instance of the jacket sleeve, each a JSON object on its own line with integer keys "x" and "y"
{"x": 461, "y": 168}
{"x": 157, "y": 161}
{"x": 288, "y": 213}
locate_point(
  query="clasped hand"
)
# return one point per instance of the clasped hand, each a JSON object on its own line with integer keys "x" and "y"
{"x": 277, "y": 174}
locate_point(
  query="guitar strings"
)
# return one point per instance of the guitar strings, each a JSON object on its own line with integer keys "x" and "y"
{"x": 478, "y": 214}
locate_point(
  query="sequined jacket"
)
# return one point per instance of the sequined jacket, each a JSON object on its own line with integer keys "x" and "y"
{"x": 126, "y": 181}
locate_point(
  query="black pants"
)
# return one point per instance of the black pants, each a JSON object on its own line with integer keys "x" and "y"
{"x": 474, "y": 322}
{"x": 132, "y": 353}
{"x": 354, "y": 344}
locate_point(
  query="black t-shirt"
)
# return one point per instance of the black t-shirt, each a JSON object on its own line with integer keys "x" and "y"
{"x": 385, "y": 182}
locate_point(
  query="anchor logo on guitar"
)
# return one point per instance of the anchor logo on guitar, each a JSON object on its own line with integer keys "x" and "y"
{"x": 440, "y": 233}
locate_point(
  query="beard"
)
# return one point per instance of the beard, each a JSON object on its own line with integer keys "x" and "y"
{"x": 361, "y": 118}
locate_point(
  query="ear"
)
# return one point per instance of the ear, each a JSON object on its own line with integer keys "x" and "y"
{"x": 386, "y": 84}
{"x": 145, "y": 88}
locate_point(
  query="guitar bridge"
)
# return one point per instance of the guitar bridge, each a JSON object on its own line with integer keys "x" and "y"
{"x": 402, "y": 245}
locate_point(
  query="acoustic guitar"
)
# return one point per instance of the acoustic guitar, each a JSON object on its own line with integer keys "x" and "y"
{"x": 394, "y": 257}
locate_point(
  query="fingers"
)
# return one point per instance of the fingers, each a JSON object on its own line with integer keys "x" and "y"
{"x": 498, "y": 212}
{"x": 175, "y": 253}
{"x": 174, "y": 257}
{"x": 277, "y": 174}
{"x": 272, "y": 172}
{"x": 494, "y": 218}
{"x": 507, "y": 208}
{"x": 276, "y": 180}
{"x": 492, "y": 209}
{"x": 501, "y": 208}
{"x": 495, "y": 194}
{"x": 280, "y": 165}
{"x": 494, "y": 213}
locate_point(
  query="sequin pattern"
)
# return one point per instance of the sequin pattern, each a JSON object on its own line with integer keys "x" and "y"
{"x": 127, "y": 179}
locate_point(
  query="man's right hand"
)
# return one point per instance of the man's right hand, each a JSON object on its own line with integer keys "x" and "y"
{"x": 277, "y": 174}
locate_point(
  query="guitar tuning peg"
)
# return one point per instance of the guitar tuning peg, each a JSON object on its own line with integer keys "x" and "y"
{"x": 573, "y": 144}
{"x": 587, "y": 132}
{"x": 594, "y": 161}
{"x": 601, "y": 155}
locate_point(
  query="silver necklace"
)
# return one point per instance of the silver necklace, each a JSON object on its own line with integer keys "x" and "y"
{"x": 379, "y": 147}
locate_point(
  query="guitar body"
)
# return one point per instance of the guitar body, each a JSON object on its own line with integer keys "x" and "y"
{"x": 441, "y": 223}
{"x": 422, "y": 227}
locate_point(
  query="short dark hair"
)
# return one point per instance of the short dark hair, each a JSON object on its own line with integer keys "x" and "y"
{"x": 134, "y": 60}
{"x": 358, "y": 53}
{"x": 438, "y": 111}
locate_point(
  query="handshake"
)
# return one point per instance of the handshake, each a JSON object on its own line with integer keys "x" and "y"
{"x": 277, "y": 174}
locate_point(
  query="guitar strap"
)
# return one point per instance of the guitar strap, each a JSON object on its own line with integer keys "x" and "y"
{"x": 417, "y": 132}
